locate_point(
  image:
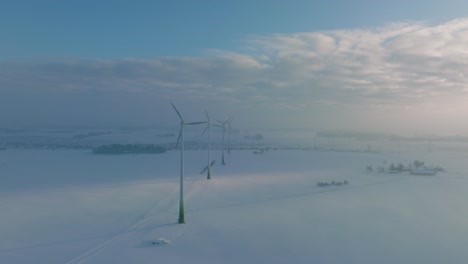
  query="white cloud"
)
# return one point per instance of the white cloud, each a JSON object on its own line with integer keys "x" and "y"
{"x": 362, "y": 71}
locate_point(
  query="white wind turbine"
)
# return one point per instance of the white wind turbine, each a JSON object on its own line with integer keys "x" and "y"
{"x": 223, "y": 126}
{"x": 208, "y": 127}
{"x": 229, "y": 134}
{"x": 181, "y": 139}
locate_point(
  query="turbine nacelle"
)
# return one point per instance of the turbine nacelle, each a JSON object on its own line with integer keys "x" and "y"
{"x": 182, "y": 123}
{"x": 224, "y": 123}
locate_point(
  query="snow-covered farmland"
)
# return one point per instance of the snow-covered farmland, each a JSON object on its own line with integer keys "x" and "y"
{"x": 70, "y": 206}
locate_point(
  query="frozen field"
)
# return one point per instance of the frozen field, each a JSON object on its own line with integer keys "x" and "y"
{"x": 70, "y": 206}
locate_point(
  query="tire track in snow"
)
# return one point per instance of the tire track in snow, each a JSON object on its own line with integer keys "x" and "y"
{"x": 62, "y": 242}
{"x": 142, "y": 221}
{"x": 173, "y": 230}
{"x": 86, "y": 255}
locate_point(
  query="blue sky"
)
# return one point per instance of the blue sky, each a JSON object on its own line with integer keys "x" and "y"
{"x": 387, "y": 66}
{"x": 120, "y": 29}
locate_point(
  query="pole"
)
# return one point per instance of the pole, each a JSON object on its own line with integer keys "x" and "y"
{"x": 222, "y": 158}
{"x": 209, "y": 147}
{"x": 229, "y": 142}
{"x": 181, "y": 198}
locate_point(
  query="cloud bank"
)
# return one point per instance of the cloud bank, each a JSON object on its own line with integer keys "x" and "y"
{"x": 407, "y": 77}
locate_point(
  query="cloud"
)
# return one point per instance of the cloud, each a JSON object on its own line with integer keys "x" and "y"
{"x": 403, "y": 72}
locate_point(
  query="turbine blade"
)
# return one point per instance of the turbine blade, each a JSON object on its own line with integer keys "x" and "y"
{"x": 195, "y": 123}
{"x": 178, "y": 139}
{"x": 217, "y": 125}
{"x": 220, "y": 121}
{"x": 205, "y": 130}
{"x": 178, "y": 113}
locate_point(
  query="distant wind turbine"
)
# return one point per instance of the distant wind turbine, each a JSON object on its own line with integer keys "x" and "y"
{"x": 181, "y": 139}
{"x": 229, "y": 134}
{"x": 208, "y": 127}
{"x": 223, "y": 126}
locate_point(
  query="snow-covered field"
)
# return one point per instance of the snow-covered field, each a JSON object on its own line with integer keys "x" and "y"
{"x": 70, "y": 206}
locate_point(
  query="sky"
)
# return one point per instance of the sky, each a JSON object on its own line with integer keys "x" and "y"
{"x": 381, "y": 66}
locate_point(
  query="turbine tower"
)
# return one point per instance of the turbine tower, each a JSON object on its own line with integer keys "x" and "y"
{"x": 181, "y": 139}
{"x": 223, "y": 126}
{"x": 229, "y": 134}
{"x": 208, "y": 127}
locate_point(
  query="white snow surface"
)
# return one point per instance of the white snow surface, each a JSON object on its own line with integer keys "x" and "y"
{"x": 70, "y": 206}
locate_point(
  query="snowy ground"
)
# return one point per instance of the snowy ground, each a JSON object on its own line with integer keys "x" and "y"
{"x": 70, "y": 206}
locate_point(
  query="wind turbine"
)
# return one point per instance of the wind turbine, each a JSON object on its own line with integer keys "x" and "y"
{"x": 208, "y": 127}
{"x": 223, "y": 126}
{"x": 181, "y": 139}
{"x": 229, "y": 134}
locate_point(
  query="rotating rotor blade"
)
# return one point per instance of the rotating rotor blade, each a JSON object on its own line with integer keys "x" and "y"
{"x": 229, "y": 122}
{"x": 178, "y": 113}
{"x": 208, "y": 126}
{"x": 195, "y": 123}
{"x": 217, "y": 125}
{"x": 178, "y": 139}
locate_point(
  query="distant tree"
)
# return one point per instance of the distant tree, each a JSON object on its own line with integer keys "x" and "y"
{"x": 116, "y": 149}
{"x": 400, "y": 167}
{"x": 256, "y": 137}
{"x": 418, "y": 164}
